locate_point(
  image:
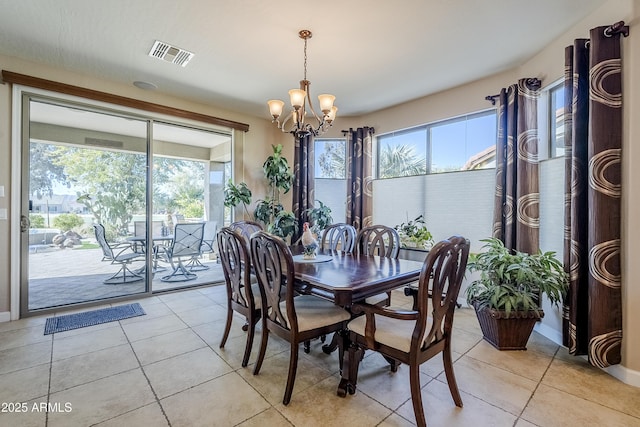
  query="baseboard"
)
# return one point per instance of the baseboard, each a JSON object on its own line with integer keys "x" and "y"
{"x": 5, "y": 316}
{"x": 548, "y": 332}
{"x": 624, "y": 374}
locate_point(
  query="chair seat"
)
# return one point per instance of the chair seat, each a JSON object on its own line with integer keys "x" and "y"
{"x": 391, "y": 332}
{"x": 313, "y": 312}
{"x": 376, "y": 299}
{"x": 127, "y": 256}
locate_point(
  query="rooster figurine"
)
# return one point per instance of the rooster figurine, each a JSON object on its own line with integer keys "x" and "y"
{"x": 309, "y": 242}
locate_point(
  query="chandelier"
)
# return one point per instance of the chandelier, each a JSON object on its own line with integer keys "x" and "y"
{"x": 295, "y": 122}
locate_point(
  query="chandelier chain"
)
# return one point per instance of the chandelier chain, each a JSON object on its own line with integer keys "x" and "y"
{"x": 305, "y": 59}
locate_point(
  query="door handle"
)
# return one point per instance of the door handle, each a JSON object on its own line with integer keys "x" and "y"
{"x": 24, "y": 223}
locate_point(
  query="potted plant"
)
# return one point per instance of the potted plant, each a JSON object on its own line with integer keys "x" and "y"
{"x": 320, "y": 217}
{"x": 236, "y": 194}
{"x": 270, "y": 211}
{"x": 415, "y": 234}
{"x": 506, "y": 296}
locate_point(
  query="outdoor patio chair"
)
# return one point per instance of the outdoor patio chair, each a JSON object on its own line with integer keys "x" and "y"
{"x": 186, "y": 243}
{"x": 121, "y": 254}
{"x": 414, "y": 336}
{"x": 207, "y": 247}
{"x": 140, "y": 230}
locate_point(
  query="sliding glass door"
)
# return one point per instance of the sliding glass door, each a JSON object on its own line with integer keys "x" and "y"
{"x": 93, "y": 229}
{"x": 84, "y": 176}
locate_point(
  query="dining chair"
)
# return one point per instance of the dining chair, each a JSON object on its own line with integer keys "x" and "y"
{"x": 339, "y": 236}
{"x": 246, "y": 228}
{"x": 383, "y": 241}
{"x": 120, "y": 254}
{"x": 415, "y": 336}
{"x": 379, "y": 240}
{"x": 186, "y": 243}
{"x": 243, "y": 296}
{"x": 293, "y": 319}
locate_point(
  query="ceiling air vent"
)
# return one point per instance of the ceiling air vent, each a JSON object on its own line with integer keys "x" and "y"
{"x": 166, "y": 52}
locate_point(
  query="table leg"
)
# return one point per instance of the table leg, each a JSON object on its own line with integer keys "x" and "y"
{"x": 349, "y": 369}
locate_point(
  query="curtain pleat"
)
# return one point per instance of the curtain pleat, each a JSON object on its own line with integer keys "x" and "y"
{"x": 304, "y": 180}
{"x": 359, "y": 177}
{"x": 593, "y": 306}
{"x": 516, "y": 207}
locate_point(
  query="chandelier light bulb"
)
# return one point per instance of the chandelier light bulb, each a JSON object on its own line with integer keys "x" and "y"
{"x": 297, "y": 98}
{"x": 275, "y": 108}
{"x": 326, "y": 102}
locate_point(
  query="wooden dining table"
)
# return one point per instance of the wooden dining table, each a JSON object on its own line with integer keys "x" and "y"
{"x": 346, "y": 279}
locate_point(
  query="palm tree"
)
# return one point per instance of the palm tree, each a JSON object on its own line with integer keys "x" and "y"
{"x": 400, "y": 160}
{"x": 333, "y": 160}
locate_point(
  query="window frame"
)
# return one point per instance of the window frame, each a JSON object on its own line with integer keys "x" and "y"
{"x": 551, "y": 120}
{"x": 428, "y": 128}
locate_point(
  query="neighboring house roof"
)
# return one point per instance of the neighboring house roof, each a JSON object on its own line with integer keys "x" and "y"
{"x": 481, "y": 160}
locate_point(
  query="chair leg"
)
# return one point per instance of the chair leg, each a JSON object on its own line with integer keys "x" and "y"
{"x": 291, "y": 378}
{"x": 263, "y": 348}
{"x": 227, "y": 327}
{"x": 393, "y": 363}
{"x": 451, "y": 378}
{"x": 249, "y": 345}
{"x": 416, "y": 396}
{"x": 307, "y": 346}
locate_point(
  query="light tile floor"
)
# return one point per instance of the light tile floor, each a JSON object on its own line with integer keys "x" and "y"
{"x": 166, "y": 369}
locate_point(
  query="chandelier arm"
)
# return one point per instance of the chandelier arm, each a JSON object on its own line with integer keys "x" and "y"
{"x": 320, "y": 121}
{"x": 282, "y": 125}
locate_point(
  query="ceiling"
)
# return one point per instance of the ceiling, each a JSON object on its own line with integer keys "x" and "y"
{"x": 248, "y": 51}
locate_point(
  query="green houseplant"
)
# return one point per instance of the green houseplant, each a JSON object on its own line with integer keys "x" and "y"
{"x": 270, "y": 211}
{"x": 320, "y": 217}
{"x": 415, "y": 234}
{"x": 236, "y": 194}
{"x": 506, "y": 296}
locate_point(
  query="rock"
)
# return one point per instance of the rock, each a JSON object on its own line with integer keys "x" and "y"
{"x": 58, "y": 239}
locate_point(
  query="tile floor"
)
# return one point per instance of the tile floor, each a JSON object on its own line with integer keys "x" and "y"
{"x": 166, "y": 369}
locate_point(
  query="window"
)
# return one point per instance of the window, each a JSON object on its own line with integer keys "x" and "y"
{"x": 403, "y": 153}
{"x": 331, "y": 175}
{"x": 331, "y": 158}
{"x": 463, "y": 143}
{"x": 556, "y": 121}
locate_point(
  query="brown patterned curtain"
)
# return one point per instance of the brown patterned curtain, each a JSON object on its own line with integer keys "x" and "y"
{"x": 303, "y": 180}
{"x": 516, "y": 209}
{"x": 593, "y": 140}
{"x": 359, "y": 176}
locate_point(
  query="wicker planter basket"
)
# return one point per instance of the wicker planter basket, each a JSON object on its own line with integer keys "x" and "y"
{"x": 507, "y": 332}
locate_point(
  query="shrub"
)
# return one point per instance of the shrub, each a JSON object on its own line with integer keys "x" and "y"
{"x": 66, "y": 222}
{"x": 36, "y": 221}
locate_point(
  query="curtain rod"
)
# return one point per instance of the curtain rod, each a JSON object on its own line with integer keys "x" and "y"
{"x": 344, "y": 132}
{"x": 492, "y": 98}
{"x": 532, "y": 83}
{"x": 617, "y": 28}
